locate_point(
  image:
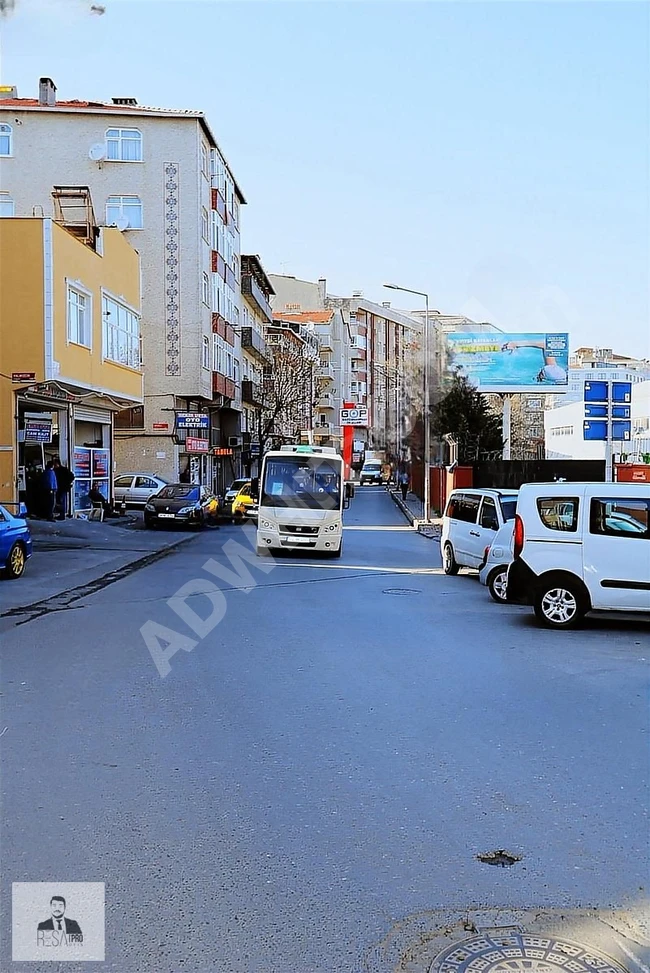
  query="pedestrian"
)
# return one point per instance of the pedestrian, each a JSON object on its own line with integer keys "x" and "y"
{"x": 98, "y": 499}
{"x": 64, "y": 480}
{"x": 49, "y": 489}
{"x": 404, "y": 484}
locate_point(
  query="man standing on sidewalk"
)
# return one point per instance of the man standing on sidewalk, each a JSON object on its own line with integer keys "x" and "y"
{"x": 64, "y": 480}
{"x": 404, "y": 484}
{"x": 49, "y": 490}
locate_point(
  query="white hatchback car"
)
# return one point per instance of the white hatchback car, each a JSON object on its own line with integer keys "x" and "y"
{"x": 472, "y": 518}
{"x": 498, "y": 556}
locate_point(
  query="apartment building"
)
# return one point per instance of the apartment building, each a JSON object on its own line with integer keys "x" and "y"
{"x": 69, "y": 346}
{"x": 256, "y": 316}
{"x": 159, "y": 176}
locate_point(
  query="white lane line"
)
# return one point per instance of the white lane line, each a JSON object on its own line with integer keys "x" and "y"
{"x": 411, "y": 529}
{"x": 357, "y": 567}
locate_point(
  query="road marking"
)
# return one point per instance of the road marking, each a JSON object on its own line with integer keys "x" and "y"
{"x": 411, "y": 529}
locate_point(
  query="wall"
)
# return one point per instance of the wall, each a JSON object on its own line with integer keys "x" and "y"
{"x": 290, "y": 290}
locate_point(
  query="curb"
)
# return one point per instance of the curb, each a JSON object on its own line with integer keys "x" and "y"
{"x": 430, "y": 531}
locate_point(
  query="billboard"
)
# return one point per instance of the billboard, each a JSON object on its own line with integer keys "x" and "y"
{"x": 357, "y": 416}
{"x": 510, "y": 362}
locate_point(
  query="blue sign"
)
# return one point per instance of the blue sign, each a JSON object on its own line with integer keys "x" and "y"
{"x": 596, "y": 391}
{"x": 621, "y": 391}
{"x": 621, "y": 411}
{"x": 595, "y": 431}
{"x": 621, "y": 431}
{"x": 192, "y": 420}
{"x": 595, "y": 411}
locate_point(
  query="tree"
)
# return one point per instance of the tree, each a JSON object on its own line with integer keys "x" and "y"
{"x": 289, "y": 391}
{"x": 465, "y": 414}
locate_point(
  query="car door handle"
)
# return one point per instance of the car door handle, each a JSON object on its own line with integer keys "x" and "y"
{"x": 474, "y": 533}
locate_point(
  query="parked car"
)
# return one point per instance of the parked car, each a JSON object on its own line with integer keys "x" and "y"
{"x": 242, "y": 501}
{"x": 371, "y": 473}
{"x": 581, "y": 547}
{"x": 15, "y": 542}
{"x": 134, "y": 489}
{"x": 181, "y": 503}
{"x": 471, "y": 519}
{"x": 497, "y": 557}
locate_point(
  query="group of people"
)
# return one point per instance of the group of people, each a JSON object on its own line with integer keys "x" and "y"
{"x": 56, "y": 482}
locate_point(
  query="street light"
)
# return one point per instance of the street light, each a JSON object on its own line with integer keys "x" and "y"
{"x": 426, "y": 409}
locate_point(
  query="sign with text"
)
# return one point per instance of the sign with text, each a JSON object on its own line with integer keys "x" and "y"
{"x": 513, "y": 362}
{"x": 58, "y": 921}
{"x": 192, "y": 420}
{"x": 193, "y": 445}
{"x": 38, "y": 430}
{"x": 358, "y": 416}
{"x": 23, "y": 376}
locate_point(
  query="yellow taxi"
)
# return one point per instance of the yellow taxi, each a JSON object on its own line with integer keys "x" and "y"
{"x": 242, "y": 501}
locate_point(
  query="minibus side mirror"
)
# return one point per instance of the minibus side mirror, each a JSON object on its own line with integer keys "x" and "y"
{"x": 255, "y": 488}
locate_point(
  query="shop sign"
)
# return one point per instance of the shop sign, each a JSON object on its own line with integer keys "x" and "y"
{"x": 100, "y": 463}
{"x": 81, "y": 462}
{"x": 192, "y": 420}
{"x": 193, "y": 445}
{"x": 38, "y": 430}
{"x": 23, "y": 376}
{"x": 160, "y": 425}
{"x": 221, "y": 451}
{"x": 357, "y": 416}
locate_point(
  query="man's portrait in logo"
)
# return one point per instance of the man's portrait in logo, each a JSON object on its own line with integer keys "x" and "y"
{"x": 58, "y": 930}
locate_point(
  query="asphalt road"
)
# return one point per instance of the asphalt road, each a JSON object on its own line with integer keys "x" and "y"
{"x": 331, "y": 757}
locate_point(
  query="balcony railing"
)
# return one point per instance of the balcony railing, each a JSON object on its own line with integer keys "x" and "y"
{"x": 324, "y": 334}
{"x": 253, "y": 394}
{"x": 252, "y": 289}
{"x": 325, "y": 371}
{"x": 325, "y": 401}
{"x": 323, "y": 429}
{"x": 254, "y": 343}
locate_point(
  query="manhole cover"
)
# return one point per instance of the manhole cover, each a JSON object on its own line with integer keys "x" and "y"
{"x": 401, "y": 591}
{"x": 521, "y": 952}
{"x": 500, "y": 857}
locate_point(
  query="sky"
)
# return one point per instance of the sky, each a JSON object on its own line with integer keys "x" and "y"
{"x": 492, "y": 154}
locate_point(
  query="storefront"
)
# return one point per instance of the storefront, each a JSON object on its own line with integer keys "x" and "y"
{"x": 91, "y": 455}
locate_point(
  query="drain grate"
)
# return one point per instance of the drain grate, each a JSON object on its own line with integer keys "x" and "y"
{"x": 521, "y": 952}
{"x": 402, "y": 591}
{"x": 500, "y": 857}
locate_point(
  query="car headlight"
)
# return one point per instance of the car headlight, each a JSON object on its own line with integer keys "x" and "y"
{"x": 266, "y": 525}
{"x": 150, "y": 507}
{"x": 187, "y": 510}
{"x": 333, "y": 527}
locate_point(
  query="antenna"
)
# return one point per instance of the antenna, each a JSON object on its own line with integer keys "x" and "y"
{"x": 97, "y": 152}
{"x": 122, "y": 223}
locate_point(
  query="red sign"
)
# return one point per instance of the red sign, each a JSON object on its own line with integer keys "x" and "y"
{"x": 196, "y": 445}
{"x": 219, "y": 451}
{"x": 160, "y": 425}
{"x": 23, "y": 376}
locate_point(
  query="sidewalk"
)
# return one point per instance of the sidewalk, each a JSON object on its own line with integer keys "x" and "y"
{"x": 71, "y": 553}
{"x": 413, "y": 510}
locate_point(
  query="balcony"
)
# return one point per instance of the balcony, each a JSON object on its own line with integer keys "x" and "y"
{"x": 325, "y": 401}
{"x": 325, "y": 371}
{"x": 224, "y": 386}
{"x": 324, "y": 334}
{"x": 252, "y": 290}
{"x": 323, "y": 429}
{"x": 253, "y": 394}
{"x": 256, "y": 346}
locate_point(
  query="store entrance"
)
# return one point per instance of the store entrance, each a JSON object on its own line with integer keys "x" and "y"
{"x": 42, "y": 436}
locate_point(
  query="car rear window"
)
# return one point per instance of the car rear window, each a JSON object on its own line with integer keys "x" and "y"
{"x": 559, "y": 513}
{"x": 179, "y": 492}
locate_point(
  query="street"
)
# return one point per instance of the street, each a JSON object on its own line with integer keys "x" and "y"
{"x": 329, "y": 759}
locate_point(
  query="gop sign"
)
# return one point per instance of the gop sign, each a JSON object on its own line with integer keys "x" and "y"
{"x": 358, "y": 416}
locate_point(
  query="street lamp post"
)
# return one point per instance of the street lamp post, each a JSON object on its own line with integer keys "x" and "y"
{"x": 426, "y": 408}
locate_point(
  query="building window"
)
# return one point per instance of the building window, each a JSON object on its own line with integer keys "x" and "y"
{"x": 6, "y": 205}
{"x": 6, "y": 139}
{"x": 124, "y": 145}
{"x": 130, "y": 419}
{"x": 205, "y": 352}
{"x": 121, "y": 333}
{"x": 205, "y": 225}
{"x": 79, "y": 318}
{"x": 127, "y": 208}
{"x": 206, "y": 290}
{"x": 204, "y": 159}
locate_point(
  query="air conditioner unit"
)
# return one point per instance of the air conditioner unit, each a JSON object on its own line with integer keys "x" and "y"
{"x": 234, "y": 441}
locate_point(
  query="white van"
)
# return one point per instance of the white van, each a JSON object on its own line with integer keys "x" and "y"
{"x": 581, "y": 547}
{"x": 471, "y": 519}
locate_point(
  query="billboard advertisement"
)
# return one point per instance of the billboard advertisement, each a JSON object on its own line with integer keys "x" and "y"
{"x": 510, "y": 362}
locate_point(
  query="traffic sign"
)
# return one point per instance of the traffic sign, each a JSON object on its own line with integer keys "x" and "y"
{"x": 595, "y": 431}
{"x": 595, "y": 411}
{"x": 621, "y": 391}
{"x": 596, "y": 391}
{"x": 621, "y": 431}
{"x": 621, "y": 411}
{"x": 358, "y": 416}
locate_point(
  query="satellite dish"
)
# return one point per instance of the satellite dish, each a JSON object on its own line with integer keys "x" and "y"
{"x": 122, "y": 223}
{"x": 97, "y": 152}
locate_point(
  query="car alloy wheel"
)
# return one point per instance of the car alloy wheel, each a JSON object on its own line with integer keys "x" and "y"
{"x": 498, "y": 585}
{"x": 559, "y": 604}
{"x": 16, "y": 561}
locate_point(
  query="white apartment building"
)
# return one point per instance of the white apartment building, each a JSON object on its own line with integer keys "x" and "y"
{"x": 564, "y": 425}
{"x": 160, "y": 176}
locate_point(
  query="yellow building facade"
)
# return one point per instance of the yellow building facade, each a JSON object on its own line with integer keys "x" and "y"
{"x": 69, "y": 353}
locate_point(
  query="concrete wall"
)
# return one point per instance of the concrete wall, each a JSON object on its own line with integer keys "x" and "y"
{"x": 292, "y": 291}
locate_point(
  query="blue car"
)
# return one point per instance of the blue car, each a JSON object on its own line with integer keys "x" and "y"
{"x": 15, "y": 542}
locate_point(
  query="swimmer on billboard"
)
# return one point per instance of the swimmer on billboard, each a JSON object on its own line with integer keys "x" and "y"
{"x": 498, "y": 362}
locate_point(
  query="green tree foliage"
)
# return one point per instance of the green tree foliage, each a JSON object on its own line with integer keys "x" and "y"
{"x": 465, "y": 413}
